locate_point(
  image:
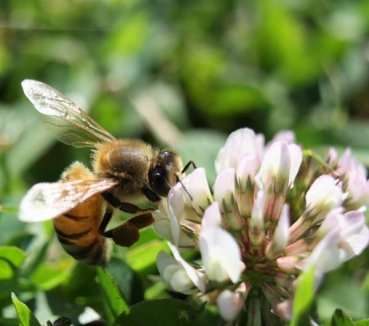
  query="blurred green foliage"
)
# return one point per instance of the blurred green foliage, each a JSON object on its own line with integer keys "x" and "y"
{"x": 180, "y": 74}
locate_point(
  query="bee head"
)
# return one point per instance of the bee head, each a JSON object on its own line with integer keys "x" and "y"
{"x": 164, "y": 174}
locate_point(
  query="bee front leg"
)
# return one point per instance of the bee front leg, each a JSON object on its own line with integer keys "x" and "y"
{"x": 125, "y": 207}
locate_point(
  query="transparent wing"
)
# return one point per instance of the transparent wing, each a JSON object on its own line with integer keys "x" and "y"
{"x": 63, "y": 118}
{"x": 45, "y": 201}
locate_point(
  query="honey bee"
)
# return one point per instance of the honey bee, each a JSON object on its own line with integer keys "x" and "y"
{"x": 82, "y": 203}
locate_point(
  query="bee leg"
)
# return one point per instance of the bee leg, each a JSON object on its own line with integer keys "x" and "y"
{"x": 105, "y": 221}
{"x": 128, "y": 233}
{"x": 125, "y": 207}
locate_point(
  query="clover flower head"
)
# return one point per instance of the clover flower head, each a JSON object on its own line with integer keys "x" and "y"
{"x": 271, "y": 214}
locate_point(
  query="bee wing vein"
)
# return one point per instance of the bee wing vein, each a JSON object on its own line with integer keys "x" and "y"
{"x": 63, "y": 118}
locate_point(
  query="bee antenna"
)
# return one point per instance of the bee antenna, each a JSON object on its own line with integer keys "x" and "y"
{"x": 189, "y": 163}
{"x": 183, "y": 186}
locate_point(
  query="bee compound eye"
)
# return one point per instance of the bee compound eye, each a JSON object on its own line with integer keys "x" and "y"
{"x": 159, "y": 181}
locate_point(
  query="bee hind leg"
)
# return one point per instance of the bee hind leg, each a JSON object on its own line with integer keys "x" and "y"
{"x": 127, "y": 234}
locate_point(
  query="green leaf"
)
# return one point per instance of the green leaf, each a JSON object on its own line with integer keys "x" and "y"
{"x": 364, "y": 322}
{"x": 48, "y": 276}
{"x": 13, "y": 255}
{"x": 232, "y": 99}
{"x": 127, "y": 279}
{"x": 25, "y": 316}
{"x": 9, "y": 321}
{"x": 303, "y": 298}
{"x": 10, "y": 259}
{"x": 143, "y": 257}
{"x": 35, "y": 259}
{"x": 350, "y": 295}
{"x": 164, "y": 312}
{"x": 340, "y": 318}
{"x": 114, "y": 301}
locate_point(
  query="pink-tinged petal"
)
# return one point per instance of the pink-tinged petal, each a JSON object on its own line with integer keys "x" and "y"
{"x": 287, "y": 264}
{"x": 239, "y": 142}
{"x": 324, "y": 194}
{"x": 343, "y": 237}
{"x": 284, "y": 309}
{"x": 330, "y": 222}
{"x": 332, "y": 156}
{"x": 270, "y": 166}
{"x": 354, "y": 235}
{"x": 247, "y": 168}
{"x": 229, "y": 304}
{"x": 212, "y": 216}
{"x": 224, "y": 187}
{"x": 356, "y": 185}
{"x": 325, "y": 256}
{"x": 220, "y": 254}
{"x": 344, "y": 161}
{"x": 197, "y": 277}
{"x": 197, "y": 186}
{"x": 281, "y": 163}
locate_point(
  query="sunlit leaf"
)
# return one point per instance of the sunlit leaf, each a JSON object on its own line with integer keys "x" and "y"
{"x": 364, "y": 322}
{"x": 340, "y": 318}
{"x": 129, "y": 281}
{"x": 49, "y": 276}
{"x": 25, "y": 316}
{"x": 114, "y": 301}
{"x": 143, "y": 258}
{"x": 304, "y": 297}
{"x": 10, "y": 259}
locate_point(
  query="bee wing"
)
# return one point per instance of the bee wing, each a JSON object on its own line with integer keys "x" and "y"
{"x": 45, "y": 201}
{"x": 63, "y": 118}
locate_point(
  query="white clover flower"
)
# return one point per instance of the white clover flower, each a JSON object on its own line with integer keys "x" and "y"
{"x": 324, "y": 195}
{"x": 280, "y": 165}
{"x": 224, "y": 188}
{"x": 178, "y": 273}
{"x": 240, "y": 142}
{"x": 354, "y": 177}
{"x": 273, "y": 213}
{"x": 174, "y": 274}
{"x": 220, "y": 252}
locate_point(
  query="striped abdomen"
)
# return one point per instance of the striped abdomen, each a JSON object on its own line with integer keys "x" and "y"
{"x": 78, "y": 232}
